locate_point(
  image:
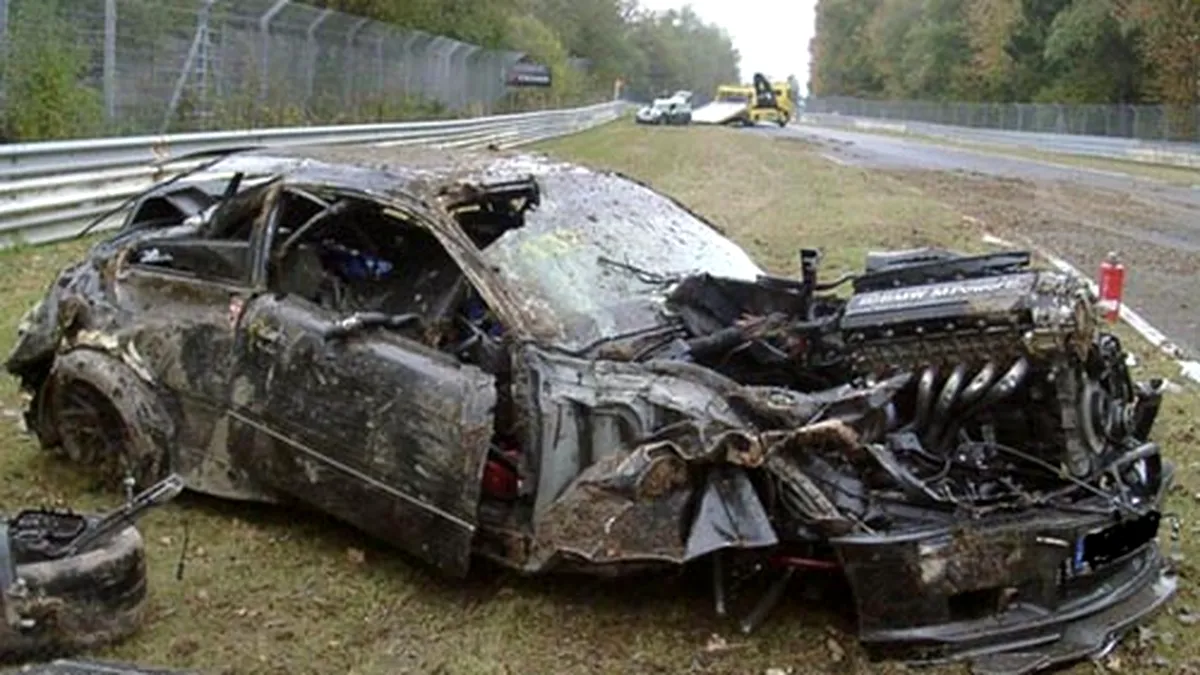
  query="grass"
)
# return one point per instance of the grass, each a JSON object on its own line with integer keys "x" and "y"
{"x": 268, "y": 591}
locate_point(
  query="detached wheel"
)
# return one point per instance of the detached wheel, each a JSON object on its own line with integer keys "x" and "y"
{"x": 77, "y": 603}
{"x": 107, "y": 418}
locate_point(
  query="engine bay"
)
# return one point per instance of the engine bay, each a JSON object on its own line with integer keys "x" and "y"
{"x": 996, "y": 387}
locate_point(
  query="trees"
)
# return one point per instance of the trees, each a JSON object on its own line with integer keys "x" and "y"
{"x": 1069, "y": 51}
{"x": 842, "y": 63}
{"x": 651, "y": 51}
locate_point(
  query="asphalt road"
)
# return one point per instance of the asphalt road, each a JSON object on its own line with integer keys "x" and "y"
{"x": 1077, "y": 212}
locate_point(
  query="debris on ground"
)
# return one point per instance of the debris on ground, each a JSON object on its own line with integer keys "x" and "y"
{"x": 70, "y": 582}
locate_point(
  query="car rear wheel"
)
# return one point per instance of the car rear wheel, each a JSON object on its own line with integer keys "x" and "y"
{"x": 108, "y": 419}
{"x": 76, "y": 603}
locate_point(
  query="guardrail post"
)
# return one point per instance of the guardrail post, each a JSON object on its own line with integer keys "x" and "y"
{"x": 264, "y": 29}
{"x": 311, "y": 50}
{"x": 110, "y": 59}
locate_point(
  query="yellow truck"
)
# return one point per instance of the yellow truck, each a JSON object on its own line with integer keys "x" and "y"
{"x": 748, "y": 104}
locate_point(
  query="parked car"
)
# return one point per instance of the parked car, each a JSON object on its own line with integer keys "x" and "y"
{"x": 676, "y": 110}
{"x": 504, "y": 356}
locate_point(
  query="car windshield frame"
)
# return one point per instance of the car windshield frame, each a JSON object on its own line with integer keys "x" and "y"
{"x": 601, "y": 252}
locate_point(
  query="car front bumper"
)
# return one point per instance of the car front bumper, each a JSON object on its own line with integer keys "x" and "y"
{"x": 1013, "y": 597}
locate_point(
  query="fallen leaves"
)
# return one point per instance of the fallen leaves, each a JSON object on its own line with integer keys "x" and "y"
{"x": 717, "y": 644}
{"x": 837, "y": 653}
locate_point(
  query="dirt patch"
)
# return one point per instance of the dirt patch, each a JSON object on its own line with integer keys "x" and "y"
{"x": 1157, "y": 239}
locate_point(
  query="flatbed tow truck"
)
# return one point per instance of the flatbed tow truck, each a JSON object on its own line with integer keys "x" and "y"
{"x": 747, "y": 105}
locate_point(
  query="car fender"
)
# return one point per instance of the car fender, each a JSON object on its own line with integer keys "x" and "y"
{"x": 151, "y": 427}
{"x": 37, "y": 338}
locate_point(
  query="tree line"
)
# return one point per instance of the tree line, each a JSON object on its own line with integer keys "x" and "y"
{"x": 652, "y": 52}
{"x": 1040, "y": 51}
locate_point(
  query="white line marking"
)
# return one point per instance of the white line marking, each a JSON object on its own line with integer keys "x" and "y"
{"x": 1188, "y": 369}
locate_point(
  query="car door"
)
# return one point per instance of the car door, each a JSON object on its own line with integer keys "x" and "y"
{"x": 182, "y": 290}
{"x": 372, "y": 427}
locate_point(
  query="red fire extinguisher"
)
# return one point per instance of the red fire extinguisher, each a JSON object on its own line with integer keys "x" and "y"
{"x": 1112, "y": 285}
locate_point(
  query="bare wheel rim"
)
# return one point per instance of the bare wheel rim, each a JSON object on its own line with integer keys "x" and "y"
{"x": 92, "y": 431}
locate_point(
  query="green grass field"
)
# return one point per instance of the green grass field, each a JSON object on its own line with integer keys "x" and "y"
{"x": 268, "y": 591}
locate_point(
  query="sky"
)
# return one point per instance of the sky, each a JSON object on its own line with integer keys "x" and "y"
{"x": 771, "y": 35}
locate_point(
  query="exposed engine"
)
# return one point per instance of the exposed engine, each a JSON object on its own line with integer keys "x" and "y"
{"x": 898, "y": 432}
{"x": 1000, "y": 353}
{"x": 1002, "y": 390}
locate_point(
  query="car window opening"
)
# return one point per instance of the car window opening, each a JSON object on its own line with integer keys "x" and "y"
{"x": 485, "y": 220}
{"x": 502, "y": 208}
{"x": 351, "y": 255}
{"x": 219, "y": 250}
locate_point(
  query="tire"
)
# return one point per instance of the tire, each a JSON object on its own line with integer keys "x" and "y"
{"x": 79, "y": 603}
{"x": 108, "y": 419}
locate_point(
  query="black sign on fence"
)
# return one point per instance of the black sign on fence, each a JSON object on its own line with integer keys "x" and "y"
{"x": 525, "y": 73}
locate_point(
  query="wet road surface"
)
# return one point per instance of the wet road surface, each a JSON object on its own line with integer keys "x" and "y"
{"x": 1079, "y": 213}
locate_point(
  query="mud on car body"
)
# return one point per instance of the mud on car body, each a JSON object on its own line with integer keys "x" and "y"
{"x": 557, "y": 368}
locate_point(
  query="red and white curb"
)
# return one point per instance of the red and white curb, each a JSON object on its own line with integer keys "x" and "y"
{"x": 1187, "y": 368}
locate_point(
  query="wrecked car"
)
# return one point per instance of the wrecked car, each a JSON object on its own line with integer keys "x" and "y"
{"x": 71, "y": 581}
{"x": 502, "y": 356}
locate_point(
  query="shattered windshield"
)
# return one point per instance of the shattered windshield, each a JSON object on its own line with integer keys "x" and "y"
{"x": 601, "y": 250}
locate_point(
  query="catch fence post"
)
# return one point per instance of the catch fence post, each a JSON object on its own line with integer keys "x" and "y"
{"x": 312, "y": 50}
{"x": 110, "y": 59}
{"x": 3, "y": 48}
{"x": 349, "y": 77}
{"x": 264, "y": 29}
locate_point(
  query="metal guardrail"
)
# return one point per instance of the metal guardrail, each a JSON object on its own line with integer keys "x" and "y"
{"x": 1186, "y": 155}
{"x": 49, "y": 191}
{"x": 1146, "y": 122}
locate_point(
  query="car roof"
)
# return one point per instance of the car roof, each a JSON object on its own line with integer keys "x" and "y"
{"x": 419, "y": 171}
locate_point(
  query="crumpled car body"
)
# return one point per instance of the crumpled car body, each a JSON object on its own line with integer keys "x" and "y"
{"x": 559, "y": 369}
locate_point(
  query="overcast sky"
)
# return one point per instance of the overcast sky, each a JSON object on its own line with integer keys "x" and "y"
{"x": 771, "y": 35}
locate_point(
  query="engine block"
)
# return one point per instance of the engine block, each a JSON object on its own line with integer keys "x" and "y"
{"x": 1037, "y": 315}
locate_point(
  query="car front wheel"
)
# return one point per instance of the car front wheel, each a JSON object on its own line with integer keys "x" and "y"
{"x": 108, "y": 419}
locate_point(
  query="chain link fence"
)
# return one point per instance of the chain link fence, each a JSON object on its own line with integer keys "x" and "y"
{"x": 144, "y": 66}
{"x": 1144, "y": 122}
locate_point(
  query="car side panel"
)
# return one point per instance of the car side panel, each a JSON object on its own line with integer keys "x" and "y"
{"x": 374, "y": 429}
{"x": 183, "y": 340}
